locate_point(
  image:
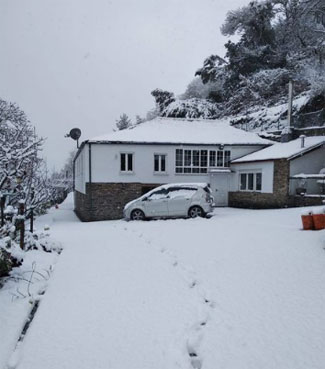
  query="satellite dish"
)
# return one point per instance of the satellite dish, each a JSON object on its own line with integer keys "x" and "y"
{"x": 75, "y": 133}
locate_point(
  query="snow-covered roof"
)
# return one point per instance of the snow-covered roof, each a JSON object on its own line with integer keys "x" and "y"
{"x": 183, "y": 131}
{"x": 285, "y": 150}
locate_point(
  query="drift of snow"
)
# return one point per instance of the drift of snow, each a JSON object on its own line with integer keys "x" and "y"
{"x": 244, "y": 289}
{"x": 176, "y": 130}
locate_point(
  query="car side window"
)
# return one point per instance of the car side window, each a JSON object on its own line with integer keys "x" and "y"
{"x": 184, "y": 192}
{"x": 157, "y": 195}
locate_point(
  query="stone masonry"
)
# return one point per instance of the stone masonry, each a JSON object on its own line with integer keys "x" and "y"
{"x": 105, "y": 201}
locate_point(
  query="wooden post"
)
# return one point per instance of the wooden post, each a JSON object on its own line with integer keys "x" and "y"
{"x": 21, "y": 213}
{"x": 2, "y": 206}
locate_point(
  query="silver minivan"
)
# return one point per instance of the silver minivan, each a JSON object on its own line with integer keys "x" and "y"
{"x": 171, "y": 201}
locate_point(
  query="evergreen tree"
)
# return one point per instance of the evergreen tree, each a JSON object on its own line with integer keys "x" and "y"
{"x": 163, "y": 98}
{"x": 123, "y": 122}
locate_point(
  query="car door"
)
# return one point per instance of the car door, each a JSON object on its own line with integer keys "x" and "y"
{"x": 156, "y": 204}
{"x": 179, "y": 200}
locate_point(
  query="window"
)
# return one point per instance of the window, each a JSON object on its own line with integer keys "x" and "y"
{"x": 227, "y": 158}
{"x": 258, "y": 181}
{"x": 223, "y": 158}
{"x": 198, "y": 161}
{"x": 160, "y": 163}
{"x": 158, "y": 195}
{"x": 250, "y": 186}
{"x": 204, "y": 161}
{"x": 179, "y": 161}
{"x": 212, "y": 158}
{"x": 250, "y": 182}
{"x": 126, "y": 162}
{"x": 185, "y": 192}
{"x": 243, "y": 180}
{"x": 220, "y": 159}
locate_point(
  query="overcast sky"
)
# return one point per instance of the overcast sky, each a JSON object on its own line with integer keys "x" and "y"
{"x": 82, "y": 63}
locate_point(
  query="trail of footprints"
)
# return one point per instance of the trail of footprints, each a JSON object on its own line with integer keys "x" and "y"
{"x": 196, "y": 332}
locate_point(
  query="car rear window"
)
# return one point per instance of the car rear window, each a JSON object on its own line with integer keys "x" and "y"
{"x": 207, "y": 190}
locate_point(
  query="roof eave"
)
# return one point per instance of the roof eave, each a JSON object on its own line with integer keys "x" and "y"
{"x": 103, "y": 142}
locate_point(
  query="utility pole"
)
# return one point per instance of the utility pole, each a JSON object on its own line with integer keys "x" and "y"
{"x": 290, "y": 103}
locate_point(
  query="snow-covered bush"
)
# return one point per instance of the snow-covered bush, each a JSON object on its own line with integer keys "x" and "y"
{"x": 192, "y": 108}
{"x": 10, "y": 256}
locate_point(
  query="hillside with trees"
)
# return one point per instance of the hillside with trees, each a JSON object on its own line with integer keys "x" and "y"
{"x": 277, "y": 41}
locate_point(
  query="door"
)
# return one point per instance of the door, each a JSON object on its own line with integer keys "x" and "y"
{"x": 179, "y": 200}
{"x": 220, "y": 188}
{"x": 156, "y": 204}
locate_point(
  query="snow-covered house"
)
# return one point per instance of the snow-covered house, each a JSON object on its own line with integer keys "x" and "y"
{"x": 113, "y": 169}
{"x": 284, "y": 174}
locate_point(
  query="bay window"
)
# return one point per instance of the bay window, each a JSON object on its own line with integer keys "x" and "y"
{"x": 198, "y": 161}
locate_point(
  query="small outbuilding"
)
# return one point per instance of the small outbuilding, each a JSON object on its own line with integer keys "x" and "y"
{"x": 282, "y": 175}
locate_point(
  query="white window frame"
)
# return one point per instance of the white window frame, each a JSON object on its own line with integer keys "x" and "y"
{"x": 200, "y": 169}
{"x": 247, "y": 173}
{"x": 159, "y": 171}
{"x": 127, "y": 170}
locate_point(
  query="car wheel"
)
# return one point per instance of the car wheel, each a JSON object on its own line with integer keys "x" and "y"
{"x": 196, "y": 211}
{"x": 137, "y": 214}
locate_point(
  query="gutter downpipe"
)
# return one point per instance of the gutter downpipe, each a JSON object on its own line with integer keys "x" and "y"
{"x": 90, "y": 179}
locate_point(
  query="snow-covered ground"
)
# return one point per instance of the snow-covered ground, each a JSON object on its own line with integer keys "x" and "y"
{"x": 244, "y": 289}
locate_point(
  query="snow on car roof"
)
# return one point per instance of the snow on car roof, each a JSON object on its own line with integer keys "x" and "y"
{"x": 285, "y": 150}
{"x": 183, "y": 131}
{"x": 185, "y": 185}
{"x": 168, "y": 185}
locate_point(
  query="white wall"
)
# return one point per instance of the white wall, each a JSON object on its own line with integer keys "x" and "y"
{"x": 310, "y": 163}
{"x": 106, "y": 163}
{"x": 81, "y": 171}
{"x": 264, "y": 167}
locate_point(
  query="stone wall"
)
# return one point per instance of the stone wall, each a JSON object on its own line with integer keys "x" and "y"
{"x": 82, "y": 206}
{"x": 105, "y": 201}
{"x": 258, "y": 200}
{"x": 296, "y": 201}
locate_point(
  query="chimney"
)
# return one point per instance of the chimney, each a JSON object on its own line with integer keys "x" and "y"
{"x": 286, "y": 134}
{"x": 302, "y": 138}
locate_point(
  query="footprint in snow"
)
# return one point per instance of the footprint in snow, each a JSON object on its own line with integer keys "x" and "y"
{"x": 195, "y": 360}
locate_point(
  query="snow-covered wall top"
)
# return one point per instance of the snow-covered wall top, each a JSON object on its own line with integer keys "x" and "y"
{"x": 285, "y": 150}
{"x": 184, "y": 131}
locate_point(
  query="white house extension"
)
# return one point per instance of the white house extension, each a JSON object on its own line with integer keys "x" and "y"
{"x": 113, "y": 169}
{"x": 293, "y": 175}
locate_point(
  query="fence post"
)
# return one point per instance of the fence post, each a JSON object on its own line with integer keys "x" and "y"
{"x": 21, "y": 214}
